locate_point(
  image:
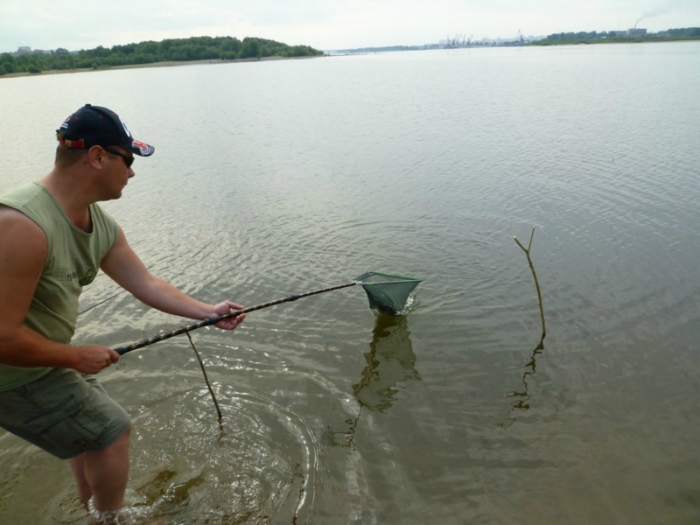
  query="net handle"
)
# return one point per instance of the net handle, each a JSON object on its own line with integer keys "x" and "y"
{"x": 390, "y": 282}
{"x": 121, "y": 350}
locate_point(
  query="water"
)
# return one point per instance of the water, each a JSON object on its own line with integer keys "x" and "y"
{"x": 281, "y": 177}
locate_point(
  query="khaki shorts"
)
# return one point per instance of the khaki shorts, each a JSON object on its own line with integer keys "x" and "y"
{"x": 64, "y": 412}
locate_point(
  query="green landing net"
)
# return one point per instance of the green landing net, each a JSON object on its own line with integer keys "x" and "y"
{"x": 387, "y": 294}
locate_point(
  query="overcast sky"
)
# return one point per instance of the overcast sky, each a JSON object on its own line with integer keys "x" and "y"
{"x": 323, "y": 24}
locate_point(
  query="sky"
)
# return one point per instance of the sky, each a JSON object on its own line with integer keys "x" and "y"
{"x": 323, "y": 24}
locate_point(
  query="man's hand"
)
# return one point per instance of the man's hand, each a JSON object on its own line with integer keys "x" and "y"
{"x": 94, "y": 358}
{"x": 225, "y": 308}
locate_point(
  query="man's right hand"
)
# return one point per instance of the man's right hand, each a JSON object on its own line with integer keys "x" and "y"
{"x": 92, "y": 359}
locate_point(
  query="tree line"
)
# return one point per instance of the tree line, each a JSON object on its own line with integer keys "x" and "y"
{"x": 686, "y": 33}
{"x": 149, "y": 52}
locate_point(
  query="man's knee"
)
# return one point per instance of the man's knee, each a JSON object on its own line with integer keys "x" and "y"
{"x": 126, "y": 434}
{"x": 121, "y": 441}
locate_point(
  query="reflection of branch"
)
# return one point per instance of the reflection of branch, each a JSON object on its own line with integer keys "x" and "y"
{"x": 298, "y": 474}
{"x": 349, "y": 433}
{"x": 532, "y": 364}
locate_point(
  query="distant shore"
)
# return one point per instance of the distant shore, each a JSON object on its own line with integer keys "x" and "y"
{"x": 171, "y": 63}
{"x": 621, "y": 40}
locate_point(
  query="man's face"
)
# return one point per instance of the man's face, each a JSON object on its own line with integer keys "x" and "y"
{"x": 119, "y": 170}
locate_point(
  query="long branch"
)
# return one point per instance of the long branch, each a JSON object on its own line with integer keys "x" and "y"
{"x": 206, "y": 378}
{"x": 537, "y": 284}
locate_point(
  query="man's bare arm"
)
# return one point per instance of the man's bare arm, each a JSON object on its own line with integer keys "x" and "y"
{"x": 126, "y": 269}
{"x": 23, "y": 251}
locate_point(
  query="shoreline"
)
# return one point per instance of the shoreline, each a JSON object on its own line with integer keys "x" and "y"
{"x": 171, "y": 63}
{"x": 599, "y": 41}
{"x": 177, "y": 63}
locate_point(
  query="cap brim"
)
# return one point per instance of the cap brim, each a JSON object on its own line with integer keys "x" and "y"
{"x": 141, "y": 148}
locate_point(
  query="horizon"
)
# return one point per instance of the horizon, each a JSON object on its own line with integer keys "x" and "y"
{"x": 327, "y": 25}
{"x": 440, "y": 42}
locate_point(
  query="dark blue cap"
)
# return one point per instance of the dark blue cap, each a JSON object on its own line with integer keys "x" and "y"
{"x": 97, "y": 126}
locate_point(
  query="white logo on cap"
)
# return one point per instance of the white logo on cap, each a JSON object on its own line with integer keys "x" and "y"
{"x": 125, "y": 128}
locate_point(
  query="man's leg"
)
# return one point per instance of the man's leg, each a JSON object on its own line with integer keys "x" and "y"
{"x": 104, "y": 474}
{"x": 78, "y": 466}
{"x": 68, "y": 414}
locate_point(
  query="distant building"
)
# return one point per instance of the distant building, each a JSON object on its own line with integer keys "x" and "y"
{"x": 637, "y": 32}
{"x": 24, "y": 50}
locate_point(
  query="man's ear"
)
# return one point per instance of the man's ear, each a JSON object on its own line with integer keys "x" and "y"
{"x": 96, "y": 157}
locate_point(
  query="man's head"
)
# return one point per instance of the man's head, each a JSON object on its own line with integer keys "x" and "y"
{"x": 96, "y": 149}
{"x": 97, "y": 126}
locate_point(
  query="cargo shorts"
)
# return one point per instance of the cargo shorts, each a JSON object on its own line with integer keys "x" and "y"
{"x": 63, "y": 412}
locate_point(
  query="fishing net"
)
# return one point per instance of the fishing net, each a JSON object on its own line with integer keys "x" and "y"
{"x": 387, "y": 294}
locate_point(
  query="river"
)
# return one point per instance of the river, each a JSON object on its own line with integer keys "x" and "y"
{"x": 281, "y": 177}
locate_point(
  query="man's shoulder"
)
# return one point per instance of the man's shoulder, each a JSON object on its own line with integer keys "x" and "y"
{"x": 9, "y": 214}
{"x": 14, "y": 223}
{"x": 21, "y": 193}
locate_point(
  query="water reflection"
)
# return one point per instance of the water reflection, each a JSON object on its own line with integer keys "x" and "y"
{"x": 530, "y": 370}
{"x": 390, "y": 361}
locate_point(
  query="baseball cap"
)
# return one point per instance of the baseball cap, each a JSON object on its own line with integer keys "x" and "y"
{"x": 97, "y": 126}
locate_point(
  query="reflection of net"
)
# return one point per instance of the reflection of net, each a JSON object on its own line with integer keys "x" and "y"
{"x": 387, "y": 293}
{"x": 391, "y": 361}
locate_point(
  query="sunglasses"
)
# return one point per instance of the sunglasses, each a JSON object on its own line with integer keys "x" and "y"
{"x": 128, "y": 159}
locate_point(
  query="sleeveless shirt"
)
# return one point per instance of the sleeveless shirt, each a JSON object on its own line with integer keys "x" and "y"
{"x": 72, "y": 262}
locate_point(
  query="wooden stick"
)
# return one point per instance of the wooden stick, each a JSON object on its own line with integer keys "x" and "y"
{"x": 206, "y": 379}
{"x": 537, "y": 284}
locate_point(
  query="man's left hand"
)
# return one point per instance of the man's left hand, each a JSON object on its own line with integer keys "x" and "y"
{"x": 225, "y": 308}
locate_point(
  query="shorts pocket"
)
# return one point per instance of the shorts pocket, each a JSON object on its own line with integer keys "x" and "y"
{"x": 73, "y": 427}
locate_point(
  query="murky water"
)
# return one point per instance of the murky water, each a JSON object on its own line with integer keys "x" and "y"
{"x": 276, "y": 178}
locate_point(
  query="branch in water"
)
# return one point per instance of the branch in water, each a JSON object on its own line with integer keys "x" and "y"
{"x": 206, "y": 378}
{"x": 537, "y": 284}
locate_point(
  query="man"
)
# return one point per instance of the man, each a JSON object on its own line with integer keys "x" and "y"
{"x": 54, "y": 238}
